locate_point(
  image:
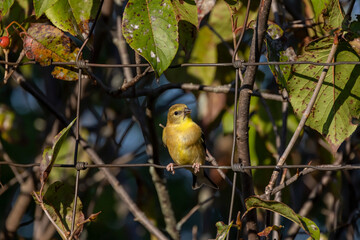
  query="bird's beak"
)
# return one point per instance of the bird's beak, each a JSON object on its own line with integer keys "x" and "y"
{"x": 187, "y": 111}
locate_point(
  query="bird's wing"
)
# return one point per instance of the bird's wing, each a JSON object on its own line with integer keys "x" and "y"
{"x": 164, "y": 136}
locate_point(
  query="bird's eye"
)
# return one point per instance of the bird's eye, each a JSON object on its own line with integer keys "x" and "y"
{"x": 176, "y": 113}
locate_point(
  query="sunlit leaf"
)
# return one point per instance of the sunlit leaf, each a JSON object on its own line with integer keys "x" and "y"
{"x": 204, "y": 51}
{"x": 338, "y": 101}
{"x": 151, "y": 29}
{"x": 285, "y": 211}
{"x": 50, "y": 153}
{"x": 41, "y": 6}
{"x": 331, "y": 13}
{"x": 46, "y": 43}
{"x": 186, "y": 11}
{"x": 61, "y": 15}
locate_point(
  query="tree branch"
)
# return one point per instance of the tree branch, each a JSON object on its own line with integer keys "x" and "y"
{"x": 242, "y": 140}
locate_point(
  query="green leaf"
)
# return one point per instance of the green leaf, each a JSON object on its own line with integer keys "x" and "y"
{"x": 187, "y": 35}
{"x": 46, "y": 43}
{"x": 150, "y": 28}
{"x": 59, "y": 202}
{"x": 338, "y": 101}
{"x": 204, "y": 51}
{"x": 5, "y": 6}
{"x": 310, "y": 227}
{"x": 61, "y": 15}
{"x": 222, "y": 230}
{"x": 228, "y": 121}
{"x": 41, "y": 6}
{"x": 186, "y": 11}
{"x": 50, "y": 153}
{"x": 331, "y": 13}
{"x": 285, "y": 211}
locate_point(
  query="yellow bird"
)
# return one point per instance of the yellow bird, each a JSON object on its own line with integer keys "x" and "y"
{"x": 185, "y": 143}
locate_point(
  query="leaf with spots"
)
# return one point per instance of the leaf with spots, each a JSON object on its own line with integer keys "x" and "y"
{"x": 59, "y": 201}
{"x": 45, "y": 43}
{"x": 186, "y": 10}
{"x": 151, "y": 29}
{"x": 338, "y": 102}
{"x": 71, "y": 16}
{"x": 330, "y": 12}
{"x": 285, "y": 211}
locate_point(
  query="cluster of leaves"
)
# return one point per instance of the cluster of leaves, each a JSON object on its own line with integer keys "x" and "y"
{"x": 46, "y": 43}
{"x": 58, "y": 199}
{"x": 337, "y": 104}
{"x": 156, "y": 29}
{"x": 276, "y": 207}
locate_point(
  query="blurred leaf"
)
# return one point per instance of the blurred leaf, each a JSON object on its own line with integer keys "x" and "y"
{"x": 151, "y": 29}
{"x": 331, "y": 13}
{"x": 186, "y": 10}
{"x": 222, "y": 230}
{"x": 50, "y": 153}
{"x": 285, "y": 211}
{"x": 220, "y": 21}
{"x": 228, "y": 121}
{"x": 338, "y": 100}
{"x": 187, "y": 35}
{"x": 7, "y": 118}
{"x": 5, "y": 5}
{"x": 46, "y": 43}
{"x": 41, "y": 6}
{"x": 204, "y": 51}
{"x": 268, "y": 230}
{"x": 59, "y": 202}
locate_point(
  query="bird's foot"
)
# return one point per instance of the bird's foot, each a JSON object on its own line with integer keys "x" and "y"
{"x": 196, "y": 167}
{"x": 170, "y": 168}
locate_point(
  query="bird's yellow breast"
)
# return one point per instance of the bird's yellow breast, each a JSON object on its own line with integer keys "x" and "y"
{"x": 184, "y": 142}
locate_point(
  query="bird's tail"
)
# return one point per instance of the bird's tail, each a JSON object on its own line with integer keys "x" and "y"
{"x": 201, "y": 179}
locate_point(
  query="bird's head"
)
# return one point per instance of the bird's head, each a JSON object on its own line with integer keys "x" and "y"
{"x": 178, "y": 113}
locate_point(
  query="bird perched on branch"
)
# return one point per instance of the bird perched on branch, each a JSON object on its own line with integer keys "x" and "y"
{"x": 185, "y": 142}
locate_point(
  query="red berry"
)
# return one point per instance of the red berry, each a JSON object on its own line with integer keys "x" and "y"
{"x": 4, "y": 41}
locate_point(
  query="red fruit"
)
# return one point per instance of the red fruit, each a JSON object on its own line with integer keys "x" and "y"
{"x": 4, "y": 41}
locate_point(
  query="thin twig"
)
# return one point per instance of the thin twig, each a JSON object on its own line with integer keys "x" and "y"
{"x": 192, "y": 211}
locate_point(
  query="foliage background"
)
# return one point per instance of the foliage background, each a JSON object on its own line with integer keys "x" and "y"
{"x": 113, "y": 125}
